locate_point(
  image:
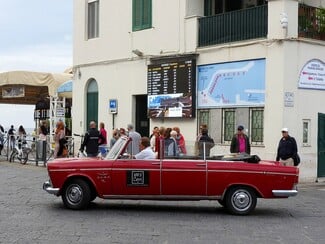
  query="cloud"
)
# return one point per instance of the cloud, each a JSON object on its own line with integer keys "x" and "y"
{"x": 53, "y": 58}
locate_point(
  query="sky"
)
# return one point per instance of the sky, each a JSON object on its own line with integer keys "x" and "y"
{"x": 36, "y": 35}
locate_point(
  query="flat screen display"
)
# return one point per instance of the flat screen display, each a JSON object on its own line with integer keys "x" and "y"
{"x": 171, "y": 89}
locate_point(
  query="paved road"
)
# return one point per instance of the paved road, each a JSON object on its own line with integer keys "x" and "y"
{"x": 30, "y": 215}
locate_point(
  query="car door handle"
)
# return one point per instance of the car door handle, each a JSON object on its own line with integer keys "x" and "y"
{"x": 201, "y": 164}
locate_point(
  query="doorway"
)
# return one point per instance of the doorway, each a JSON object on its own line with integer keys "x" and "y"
{"x": 92, "y": 102}
{"x": 321, "y": 146}
{"x": 142, "y": 121}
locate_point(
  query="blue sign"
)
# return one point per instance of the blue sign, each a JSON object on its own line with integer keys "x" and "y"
{"x": 113, "y": 106}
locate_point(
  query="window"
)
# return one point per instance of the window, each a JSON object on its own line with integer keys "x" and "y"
{"x": 306, "y": 132}
{"x": 93, "y": 19}
{"x": 212, "y": 7}
{"x": 141, "y": 16}
{"x": 257, "y": 121}
{"x": 203, "y": 117}
{"x": 229, "y": 123}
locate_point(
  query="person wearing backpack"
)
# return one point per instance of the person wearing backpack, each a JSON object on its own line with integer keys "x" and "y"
{"x": 287, "y": 149}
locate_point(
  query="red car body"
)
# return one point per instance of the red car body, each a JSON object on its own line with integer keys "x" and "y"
{"x": 236, "y": 182}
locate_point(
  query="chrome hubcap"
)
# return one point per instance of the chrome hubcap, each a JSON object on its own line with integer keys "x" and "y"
{"x": 74, "y": 194}
{"x": 241, "y": 200}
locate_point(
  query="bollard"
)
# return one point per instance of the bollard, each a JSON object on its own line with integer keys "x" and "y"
{"x": 41, "y": 152}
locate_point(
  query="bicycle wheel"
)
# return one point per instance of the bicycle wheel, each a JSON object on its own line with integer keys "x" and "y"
{"x": 24, "y": 156}
{"x": 4, "y": 151}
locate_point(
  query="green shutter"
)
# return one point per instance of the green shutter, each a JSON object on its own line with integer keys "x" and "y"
{"x": 141, "y": 14}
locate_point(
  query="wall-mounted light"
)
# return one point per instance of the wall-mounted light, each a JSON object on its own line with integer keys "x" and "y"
{"x": 284, "y": 20}
{"x": 137, "y": 52}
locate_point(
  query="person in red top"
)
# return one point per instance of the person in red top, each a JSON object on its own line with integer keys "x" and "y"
{"x": 180, "y": 141}
{"x": 240, "y": 142}
{"x": 103, "y": 132}
{"x": 159, "y": 145}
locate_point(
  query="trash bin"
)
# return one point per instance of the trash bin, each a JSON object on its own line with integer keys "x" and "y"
{"x": 41, "y": 151}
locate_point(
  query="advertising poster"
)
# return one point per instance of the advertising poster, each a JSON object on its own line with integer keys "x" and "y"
{"x": 171, "y": 89}
{"x": 239, "y": 83}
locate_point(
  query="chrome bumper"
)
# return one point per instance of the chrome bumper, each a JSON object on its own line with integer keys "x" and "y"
{"x": 47, "y": 186}
{"x": 285, "y": 193}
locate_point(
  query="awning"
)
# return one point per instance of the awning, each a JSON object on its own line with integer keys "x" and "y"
{"x": 25, "y": 87}
{"x": 65, "y": 89}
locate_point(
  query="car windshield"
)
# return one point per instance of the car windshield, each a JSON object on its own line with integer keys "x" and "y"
{"x": 117, "y": 147}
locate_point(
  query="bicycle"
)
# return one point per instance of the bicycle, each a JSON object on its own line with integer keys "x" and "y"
{"x": 20, "y": 151}
{"x": 70, "y": 146}
{"x": 5, "y": 146}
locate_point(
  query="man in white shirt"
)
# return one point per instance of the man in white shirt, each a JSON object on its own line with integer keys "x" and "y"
{"x": 146, "y": 150}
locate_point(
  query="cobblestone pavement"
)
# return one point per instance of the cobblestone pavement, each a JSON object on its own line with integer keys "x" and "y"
{"x": 30, "y": 215}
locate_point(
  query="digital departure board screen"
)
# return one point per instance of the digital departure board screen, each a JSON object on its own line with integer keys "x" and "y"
{"x": 171, "y": 89}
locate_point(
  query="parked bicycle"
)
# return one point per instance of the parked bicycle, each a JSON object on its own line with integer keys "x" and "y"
{"x": 20, "y": 151}
{"x": 4, "y": 146}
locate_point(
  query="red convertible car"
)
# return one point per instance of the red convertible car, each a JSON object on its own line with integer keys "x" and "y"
{"x": 235, "y": 181}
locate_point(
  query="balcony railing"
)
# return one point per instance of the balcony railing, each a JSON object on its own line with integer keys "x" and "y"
{"x": 311, "y": 22}
{"x": 233, "y": 26}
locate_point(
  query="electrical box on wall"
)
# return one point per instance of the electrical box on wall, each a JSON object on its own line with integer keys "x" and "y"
{"x": 113, "y": 106}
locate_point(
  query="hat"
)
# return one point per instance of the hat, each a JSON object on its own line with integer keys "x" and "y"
{"x": 240, "y": 127}
{"x": 285, "y": 130}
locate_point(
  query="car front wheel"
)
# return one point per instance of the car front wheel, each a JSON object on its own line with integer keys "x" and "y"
{"x": 241, "y": 200}
{"x": 76, "y": 194}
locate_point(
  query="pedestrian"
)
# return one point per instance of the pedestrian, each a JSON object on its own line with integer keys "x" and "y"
{"x": 240, "y": 142}
{"x": 153, "y": 136}
{"x": 134, "y": 146}
{"x": 59, "y": 140}
{"x": 91, "y": 140}
{"x": 122, "y": 132}
{"x": 180, "y": 141}
{"x": 196, "y": 145}
{"x": 153, "y": 132}
{"x": 11, "y": 136}
{"x": 170, "y": 144}
{"x": 146, "y": 151}
{"x": 115, "y": 137}
{"x": 159, "y": 142}
{"x": 205, "y": 143}
{"x": 287, "y": 148}
{"x": 42, "y": 133}
{"x": 2, "y": 134}
{"x": 21, "y": 131}
{"x": 103, "y": 132}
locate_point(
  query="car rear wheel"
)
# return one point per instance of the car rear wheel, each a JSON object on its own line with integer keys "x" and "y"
{"x": 241, "y": 200}
{"x": 76, "y": 194}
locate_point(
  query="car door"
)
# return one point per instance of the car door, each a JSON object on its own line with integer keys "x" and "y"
{"x": 183, "y": 177}
{"x": 136, "y": 177}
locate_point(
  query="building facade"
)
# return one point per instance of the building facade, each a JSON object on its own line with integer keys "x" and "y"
{"x": 182, "y": 63}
